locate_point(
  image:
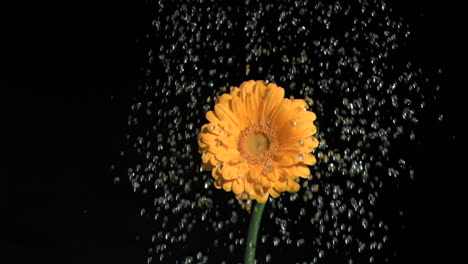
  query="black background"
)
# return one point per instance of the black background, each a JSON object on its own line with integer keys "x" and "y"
{"x": 72, "y": 69}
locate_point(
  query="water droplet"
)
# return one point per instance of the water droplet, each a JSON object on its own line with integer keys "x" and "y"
{"x": 219, "y": 165}
{"x": 301, "y": 142}
{"x": 267, "y": 169}
{"x": 276, "y": 241}
{"x": 301, "y": 157}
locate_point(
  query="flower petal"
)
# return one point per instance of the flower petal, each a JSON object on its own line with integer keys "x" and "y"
{"x": 248, "y": 186}
{"x": 302, "y": 146}
{"x": 209, "y": 138}
{"x": 280, "y": 115}
{"x": 206, "y": 156}
{"x": 262, "y": 197}
{"x": 290, "y": 172}
{"x": 227, "y": 155}
{"x": 238, "y": 186}
{"x": 218, "y": 183}
{"x": 274, "y": 193}
{"x": 227, "y": 186}
{"x": 309, "y": 159}
{"x": 230, "y": 172}
{"x": 299, "y": 103}
{"x": 280, "y": 185}
{"x": 293, "y": 186}
{"x": 235, "y": 92}
{"x": 225, "y": 114}
{"x": 215, "y": 148}
{"x": 314, "y": 142}
{"x": 201, "y": 145}
{"x": 273, "y": 175}
{"x": 216, "y": 173}
{"x": 292, "y": 134}
{"x": 286, "y": 158}
{"x": 246, "y": 88}
{"x": 214, "y": 161}
{"x": 212, "y": 117}
{"x": 238, "y": 108}
{"x": 251, "y": 106}
{"x": 307, "y": 116}
{"x": 273, "y": 97}
{"x": 255, "y": 173}
{"x": 303, "y": 171}
{"x": 228, "y": 141}
{"x": 260, "y": 90}
{"x": 224, "y": 99}
{"x": 227, "y": 129}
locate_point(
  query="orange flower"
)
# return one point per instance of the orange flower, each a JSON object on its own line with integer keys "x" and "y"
{"x": 257, "y": 142}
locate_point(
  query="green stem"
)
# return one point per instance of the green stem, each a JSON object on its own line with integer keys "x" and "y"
{"x": 251, "y": 243}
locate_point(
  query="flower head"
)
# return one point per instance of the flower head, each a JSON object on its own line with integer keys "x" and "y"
{"x": 258, "y": 143}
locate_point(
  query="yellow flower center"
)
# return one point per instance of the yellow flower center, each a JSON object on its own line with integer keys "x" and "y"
{"x": 257, "y": 144}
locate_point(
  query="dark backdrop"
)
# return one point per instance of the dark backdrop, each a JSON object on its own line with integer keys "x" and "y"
{"x": 72, "y": 69}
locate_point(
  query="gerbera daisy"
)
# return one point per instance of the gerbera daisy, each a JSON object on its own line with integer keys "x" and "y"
{"x": 258, "y": 143}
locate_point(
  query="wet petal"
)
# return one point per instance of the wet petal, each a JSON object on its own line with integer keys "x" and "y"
{"x": 251, "y": 106}
{"x": 228, "y": 141}
{"x": 201, "y": 144}
{"x": 273, "y": 175}
{"x": 262, "y": 197}
{"x": 280, "y": 115}
{"x": 225, "y": 114}
{"x": 213, "y": 160}
{"x": 273, "y": 192}
{"x": 206, "y": 157}
{"x": 212, "y": 117}
{"x": 280, "y": 185}
{"x": 292, "y": 134}
{"x": 255, "y": 173}
{"x": 227, "y": 186}
{"x": 309, "y": 159}
{"x": 290, "y": 172}
{"x": 218, "y": 183}
{"x": 286, "y": 158}
{"x": 224, "y": 99}
{"x": 230, "y": 172}
{"x": 299, "y": 103}
{"x": 260, "y": 90}
{"x": 246, "y": 88}
{"x": 307, "y": 116}
{"x": 216, "y": 173}
{"x": 293, "y": 186}
{"x": 235, "y": 92}
{"x": 215, "y": 148}
{"x": 303, "y": 171}
{"x": 238, "y": 186}
{"x": 239, "y": 110}
{"x": 227, "y": 155}
{"x": 273, "y": 97}
{"x": 209, "y": 138}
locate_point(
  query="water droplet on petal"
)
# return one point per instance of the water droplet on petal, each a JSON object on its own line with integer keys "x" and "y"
{"x": 301, "y": 157}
